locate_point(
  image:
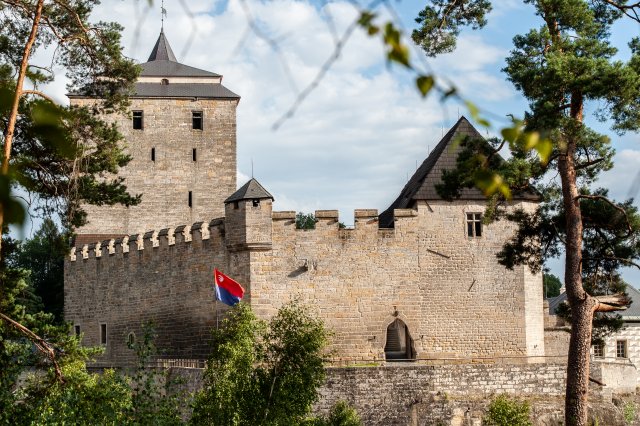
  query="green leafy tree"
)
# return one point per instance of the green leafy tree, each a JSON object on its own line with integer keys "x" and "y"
{"x": 262, "y": 374}
{"x": 551, "y": 284}
{"x": 43, "y": 256}
{"x": 305, "y": 221}
{"x": 559, "y": 67}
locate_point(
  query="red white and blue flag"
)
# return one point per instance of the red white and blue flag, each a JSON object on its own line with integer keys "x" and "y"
{"x": 228, "y": 291}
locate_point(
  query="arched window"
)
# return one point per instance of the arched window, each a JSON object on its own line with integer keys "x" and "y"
{"x": 131, "y": 339}
{"x": 399, "y": 345}
{"x": 164, "y": 81}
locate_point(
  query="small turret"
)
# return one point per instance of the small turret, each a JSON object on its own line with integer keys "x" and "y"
{"x": 248, "y": 220}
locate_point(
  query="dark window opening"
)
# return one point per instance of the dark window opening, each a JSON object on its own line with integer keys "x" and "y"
{"x": 236, "y": 205}
{"x": 153, "y": 154}
{"x": 621, "y": 349}
{"x": 77, "y": 330}
{"x": 190, "y": 199}
{"x": 399, "y": 345}
{"x": 256, "y": 202}
{"x": 138, "y": 122}
{"x": 474, "y": 225}
{"x": 164, "y": 81}
{"x": 131, "y": 339}
{"x": 103, "y": 334}
{"x": 196, "y": 120}
{"x": 598, "y": 350}
{"x": 193, "y": 154}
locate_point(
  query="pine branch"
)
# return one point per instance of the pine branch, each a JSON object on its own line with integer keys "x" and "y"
{"x": 38, "y": 93}
{"x": 612, "y": 204}
{"x": 612, "y": 302}
{"x": 42, "y": 345}
{"x": 630, "y": 10}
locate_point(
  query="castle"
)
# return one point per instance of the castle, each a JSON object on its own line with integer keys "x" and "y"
{"x": 418, "y": 281}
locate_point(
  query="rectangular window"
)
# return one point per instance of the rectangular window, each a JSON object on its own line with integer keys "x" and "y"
{"x": 103, "y": 334}
{"x": 153, "y": 154}
{"x": 196, "y": 120}
{"x": 138, "y": 123}
{"x": 194, "y": 154}
{"x": 621, "y": 349}
{"x": 76, "y": 328}
{"x": 474, "y": 225}
{"x": 598, "y": 350}
{"x": 190, "y": 199}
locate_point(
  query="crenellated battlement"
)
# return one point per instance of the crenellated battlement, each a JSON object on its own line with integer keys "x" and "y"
{"x": 366, "y": 223}
{"x": 150, "y": 240}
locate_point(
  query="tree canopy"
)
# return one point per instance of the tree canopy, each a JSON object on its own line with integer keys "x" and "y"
{"x": 565, "y": 64}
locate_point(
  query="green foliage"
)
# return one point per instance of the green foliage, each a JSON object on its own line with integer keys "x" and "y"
{"x": 61, "y": 154}
{"x": 341, "y": 414}
{"x": 261, "y": 373}
{"x": 305, "y": 221}
{"x": 629, "y": 412}
{"x": 43, "y": 256}
{"x": 504, "y": 411}
{"x": 441, "y": 21}
{"x": 551, "y": 284}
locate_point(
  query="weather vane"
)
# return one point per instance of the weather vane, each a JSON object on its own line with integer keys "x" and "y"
{"x": 163, "y": 13}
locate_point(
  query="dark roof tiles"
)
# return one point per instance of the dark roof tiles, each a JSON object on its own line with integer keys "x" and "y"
{"x": 183, "y": 90}
{"x": 162, "y": 50}
{"x": 248, "y": 191}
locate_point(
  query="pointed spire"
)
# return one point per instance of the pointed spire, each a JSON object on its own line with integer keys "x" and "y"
{"x": 162, "y": 51}
{"x": 248, "y": 191}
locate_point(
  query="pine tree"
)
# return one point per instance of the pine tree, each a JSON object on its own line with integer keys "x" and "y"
{"x": 559, "y": 67}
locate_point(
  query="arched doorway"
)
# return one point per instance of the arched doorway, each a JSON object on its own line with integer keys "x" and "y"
{"x": 399, "y": 345}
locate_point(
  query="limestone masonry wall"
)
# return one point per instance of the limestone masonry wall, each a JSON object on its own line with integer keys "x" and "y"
{"x": 165, "y": 183}
{"x": 456, "y": 300}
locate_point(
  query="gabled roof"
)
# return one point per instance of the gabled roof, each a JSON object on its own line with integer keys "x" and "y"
{"x": 249, "y": 191}
{"x": 421, "y": 188}
{"x": 632, "y": 313}
{"x": 422, "y": 185}
{"x": 162, "y": 51}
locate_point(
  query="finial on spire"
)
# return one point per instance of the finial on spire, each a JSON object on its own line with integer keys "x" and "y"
{"x": 163, "y": 13}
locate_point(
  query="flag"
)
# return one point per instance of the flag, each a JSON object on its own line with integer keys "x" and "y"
{"x": 228, "y": 291}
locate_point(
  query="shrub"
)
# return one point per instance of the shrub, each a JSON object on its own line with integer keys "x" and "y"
{"x": 505, "y": 411}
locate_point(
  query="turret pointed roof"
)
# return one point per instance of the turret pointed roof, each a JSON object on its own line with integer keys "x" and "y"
{"x": 163, "y": 63}
{"x": 249, "y": 191}
{"x": 162, "y": 50}
{"x": 422, "y": 185}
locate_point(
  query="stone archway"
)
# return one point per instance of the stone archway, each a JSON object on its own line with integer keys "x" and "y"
{"x": 399, "y": 345}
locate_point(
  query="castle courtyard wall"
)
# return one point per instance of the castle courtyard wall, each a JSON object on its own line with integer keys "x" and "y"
{"x": 456, "y": 300}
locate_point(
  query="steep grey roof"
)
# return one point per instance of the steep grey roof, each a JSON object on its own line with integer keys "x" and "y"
{"x": 183, "y": 90}
{"x": 632, "y": 313}
{"x": 163, "y": 63}
{"x": 422, "y": 185}
{"x": 162, "y": 50}
{"x": 250, "y": 190}
{"x": 166, "y": 68}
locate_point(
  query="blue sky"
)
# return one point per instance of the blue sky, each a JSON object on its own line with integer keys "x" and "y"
{"x": 354, "y": 141}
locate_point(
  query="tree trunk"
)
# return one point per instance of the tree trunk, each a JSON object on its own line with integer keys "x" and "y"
{"x": 13, "y": 116}
{"x": 582, "y": 305}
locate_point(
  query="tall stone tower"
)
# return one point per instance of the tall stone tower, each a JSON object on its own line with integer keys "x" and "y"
{"x": 181, "y": 135}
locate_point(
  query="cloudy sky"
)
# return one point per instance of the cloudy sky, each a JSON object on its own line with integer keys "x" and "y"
{"x": 357, "y": 137}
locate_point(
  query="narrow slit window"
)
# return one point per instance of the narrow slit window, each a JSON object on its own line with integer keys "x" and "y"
{"x": 138, "y": 120}
{"x": 190, "y": 199}
{"x": 194, "y": 154}
{"x": 153, "y": 154}
{"x": 77, "y": 330}
{"x": 474, "y": 225}
{"x": 103, "y": 334}
{"x": 196, "y": 120}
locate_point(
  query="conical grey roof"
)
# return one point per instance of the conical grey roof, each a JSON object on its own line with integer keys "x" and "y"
{"x": 249, "y": 191}
{"x": 162, "y": 51}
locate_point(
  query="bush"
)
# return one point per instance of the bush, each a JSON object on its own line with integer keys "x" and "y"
{"x": 504, "y": 411}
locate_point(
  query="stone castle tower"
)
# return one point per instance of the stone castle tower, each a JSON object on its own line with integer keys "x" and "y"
{"x": 181, "y": 135}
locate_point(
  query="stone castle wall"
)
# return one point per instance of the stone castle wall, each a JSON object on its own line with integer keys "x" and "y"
{"x": 165, "y": 183}
{"x": 448, "y": 289}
